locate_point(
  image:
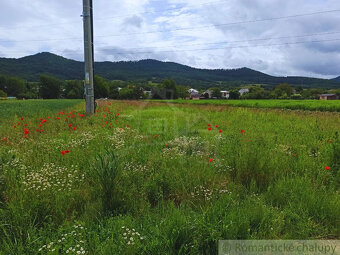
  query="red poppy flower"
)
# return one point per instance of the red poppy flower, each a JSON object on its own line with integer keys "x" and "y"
{"x": 25, "y": 125}
{"x": 37, "y": 130}
{"x": 242, "y": 131}
{"x": 166, "y": 144}
{"x": 22, "y": 118}
{"x": 209, "y": 125}
{"x": 5, "y": 139}
{"x": 14, "y": 126}
{"x": 43, "y": 121}
{"x": 74, "y": 128}
{"x": 155, "y": 135}
{"x": 210, "y": 160}
{"x": 117, "y": 114}
{"x": 70, "y": 125}
{"x": 327, "y": 168}
{"x": 26, "y": 131}
{"x": 41, "y": 130}
{"x": 64, "y": 152}
{"x": 294, "y": 154}
{"x": 58, "y": 118}
{"x": 220, "y": 131}
{"x": 209, "y": 129}
{"x": 216, "y": 126}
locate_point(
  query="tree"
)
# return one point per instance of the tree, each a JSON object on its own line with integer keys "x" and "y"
{"x": 166, "y": 90}
{"x": 182, "y": 91}
{"x": 50, "y": 87}
{"x": 283, "y": 91}
{"x": 3, "y": 93}
{"x": 256, "y": 93}
{"x": 101, "y": 87}
{"x": 12, "y": 86}
{"x": 114, "y": 88}
{"x": 74, "y": 89}
{"x": 215, "y": 92}
{"x": 126, "y": 93}
{"x": 171, "y": 91}
{"x": 234, "y": 94}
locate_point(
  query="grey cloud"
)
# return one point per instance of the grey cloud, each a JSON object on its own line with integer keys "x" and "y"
{"x": 29, "y": 20}
{"x": 135, "y": 21}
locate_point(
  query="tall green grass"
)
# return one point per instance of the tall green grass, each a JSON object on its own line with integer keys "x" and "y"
{"x": 309, "y": 105}
{"x": 142, "y": 170}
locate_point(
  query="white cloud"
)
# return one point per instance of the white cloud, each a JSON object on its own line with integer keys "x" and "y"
{"x": 28, "y": 27}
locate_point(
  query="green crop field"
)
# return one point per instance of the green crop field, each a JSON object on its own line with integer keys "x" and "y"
{"x": 156, "y": 178}
{"x": 310, "y": 105}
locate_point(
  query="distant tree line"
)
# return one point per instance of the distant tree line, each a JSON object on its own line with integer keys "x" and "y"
{"x": 50, "y": 87}
{"x": 282, "y": 91}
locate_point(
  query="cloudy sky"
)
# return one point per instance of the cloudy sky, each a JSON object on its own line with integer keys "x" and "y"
{"x": 278, "y": 37}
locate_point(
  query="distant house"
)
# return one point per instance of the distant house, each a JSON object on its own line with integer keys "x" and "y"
{"x": 243, "y": 91}
{"x": 194, "y": 94}
{"x": 206, "y": 94}
{"x": 148, "y": 93}
{"x": 328, "y": 97}
{"x": 225, "y": 94}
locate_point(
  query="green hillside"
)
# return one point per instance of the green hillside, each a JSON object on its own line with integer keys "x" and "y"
{"x": 31, "y": 67}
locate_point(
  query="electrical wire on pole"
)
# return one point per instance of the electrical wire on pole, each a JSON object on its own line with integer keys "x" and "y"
{"x": 88, "y": 55}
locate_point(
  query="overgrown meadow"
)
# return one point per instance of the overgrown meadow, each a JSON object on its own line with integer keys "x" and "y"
{"x": 155, "y": 178}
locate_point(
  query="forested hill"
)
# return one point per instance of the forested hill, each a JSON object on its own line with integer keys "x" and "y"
{"x": 31, "y": 67}
{"x": 337, "y": 79}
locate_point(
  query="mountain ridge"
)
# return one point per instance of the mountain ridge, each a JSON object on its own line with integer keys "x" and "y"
{"x": 31, "y": 67}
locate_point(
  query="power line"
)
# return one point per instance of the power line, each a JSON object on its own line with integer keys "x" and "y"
{"x": 220, "y": 48}
{"x": 250, "y": 40}
{"x": 185, "y": 28}
{"x": 225, "y": 24}
{"x": 221, "y": 42}
{"x": 229, "y": 47}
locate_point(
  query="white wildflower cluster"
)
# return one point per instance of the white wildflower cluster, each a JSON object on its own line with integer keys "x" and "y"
{"x": 81, "y": 141}
{"x": 53, "y": 178}
{"x": 222, "y": 167}
{"x": 131, "y": 167}
{"x": 15, "y": 163}
{"x": 314, "y": 153}
{"x": 69, "y": 243}
{"x": 117, "y": 138}
{"x": 183, "y": 145}
{"x": 202, "y": 192}
{"x": 131, "y": 236}
{"x": 285, "y": 149}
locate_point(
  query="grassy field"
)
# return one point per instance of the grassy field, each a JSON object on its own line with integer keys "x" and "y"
{"x": 155, "y": 178}
{"x": 310, "y": 105}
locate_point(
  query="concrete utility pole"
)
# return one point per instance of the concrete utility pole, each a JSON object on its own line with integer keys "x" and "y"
{"x": 89, "y": 55}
